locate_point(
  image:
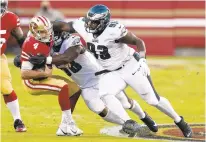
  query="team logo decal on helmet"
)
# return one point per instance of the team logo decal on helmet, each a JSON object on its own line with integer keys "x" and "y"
{"x": 97, "y": 18}
{"x": 41, "y": 28}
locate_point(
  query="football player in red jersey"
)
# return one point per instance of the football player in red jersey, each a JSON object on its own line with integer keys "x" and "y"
{"x": 10, "y": 25}
{"x": 39, "y": 80}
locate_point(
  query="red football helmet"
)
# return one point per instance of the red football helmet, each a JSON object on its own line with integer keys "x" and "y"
{"x": 41, "y": 29}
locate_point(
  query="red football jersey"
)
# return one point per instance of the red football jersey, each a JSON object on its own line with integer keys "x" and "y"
{"x": 33, "y": 47}
{"x": 9, "y": 21}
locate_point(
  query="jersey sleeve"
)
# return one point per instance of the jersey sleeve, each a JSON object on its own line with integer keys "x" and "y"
{"x": 14, "y": 20}
{"x": 116, "y": 30}
{"x": 70, "y": 42}
{"x": 25, "y": 53}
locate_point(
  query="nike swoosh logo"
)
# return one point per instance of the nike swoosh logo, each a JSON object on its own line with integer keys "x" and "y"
{"x": 74, "y": 131}
{"x": 136, "y": 71}
{"x": 188, "y": 135}
{"x": 155, "y": 125}
{"x": 63, "y": 131}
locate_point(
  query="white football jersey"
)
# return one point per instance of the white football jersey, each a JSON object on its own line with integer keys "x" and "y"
{"x": 82, "y": 70}
{"x": 109, "y": 53}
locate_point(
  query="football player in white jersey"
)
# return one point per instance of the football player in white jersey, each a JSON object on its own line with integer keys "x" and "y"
{"x": 108, "y": 40}
{"x": 83, "y": 69}
{"x": 70, "y": 56}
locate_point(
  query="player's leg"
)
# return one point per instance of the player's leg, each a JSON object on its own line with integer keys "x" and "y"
{"x": 142, "y": 86}
{"x": 165, "y": 106}
{"x": 10, "y": 96}
{"x": 107, "y": 107}
{"x": 110, "y": 85}
{"x": 133, "y": 106}
{"x": 52, "y": 86}
{"x": 92, "y": 99}
{"x": 118, "y": 84}
{"x": 74, "y": 90}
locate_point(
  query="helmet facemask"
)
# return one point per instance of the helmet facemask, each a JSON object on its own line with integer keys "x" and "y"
{"x": 95, "y": 23}
{"x": 42, "y": 33}
{"x": 4, "y": 5}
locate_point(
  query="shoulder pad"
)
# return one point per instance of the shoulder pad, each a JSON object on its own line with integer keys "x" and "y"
{"x": 74, "y": 40}
{"x": 116, "y": 30}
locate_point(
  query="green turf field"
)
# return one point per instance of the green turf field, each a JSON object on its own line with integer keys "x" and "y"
{"x": 181, "y": 80}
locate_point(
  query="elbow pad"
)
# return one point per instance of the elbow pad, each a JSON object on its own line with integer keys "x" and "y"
{"x": 17, "y": 61}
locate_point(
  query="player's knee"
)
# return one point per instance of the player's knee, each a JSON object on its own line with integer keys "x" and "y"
{"x": 6, "y": 87}
{"x": 126, "y": 105}
{"x": 163, "y": 99}
{"x": 63, "y": 84}
{"x": 152, "y": 101}
{"x": 126, "y": 102}
{"x": 96, "y": 105}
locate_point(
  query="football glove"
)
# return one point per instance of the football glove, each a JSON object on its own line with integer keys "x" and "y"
{"x": 38, "y": 61}
{"x": 144, "y": 69}
{"x": 17, "y": 61}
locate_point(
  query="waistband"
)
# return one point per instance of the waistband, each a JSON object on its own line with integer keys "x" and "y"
{"x": 106, "y": 71}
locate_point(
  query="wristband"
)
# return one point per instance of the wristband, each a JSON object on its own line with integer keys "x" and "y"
{"x": 49, "y": 60}
{"x": 142, "y": 54}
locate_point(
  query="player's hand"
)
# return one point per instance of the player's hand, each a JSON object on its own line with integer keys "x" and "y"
{"x": 48, "y": 71}
{"x": 38, "y": 60}
{"x": 144, "y": 69}
{"x": 17, "y": 61}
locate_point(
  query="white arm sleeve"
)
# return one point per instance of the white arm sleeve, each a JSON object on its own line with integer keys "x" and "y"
{"x": 26, "y": 65}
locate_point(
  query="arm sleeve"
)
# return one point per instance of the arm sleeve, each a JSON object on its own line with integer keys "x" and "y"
{"x": 15, "y": 21}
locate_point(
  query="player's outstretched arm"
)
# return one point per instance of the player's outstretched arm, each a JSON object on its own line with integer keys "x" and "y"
{"x": 63, "y": 26}
{"x": 19, "y": 35}
{"x": 69, "y": 55}
{"x": 130, "y": 38}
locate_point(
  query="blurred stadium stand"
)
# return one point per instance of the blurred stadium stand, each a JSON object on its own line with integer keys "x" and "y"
{"x": 167, "y": 27}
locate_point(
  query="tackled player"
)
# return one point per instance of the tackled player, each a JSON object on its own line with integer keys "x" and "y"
{"x": 39, "y": 80}
{"x": 81, "y": 66}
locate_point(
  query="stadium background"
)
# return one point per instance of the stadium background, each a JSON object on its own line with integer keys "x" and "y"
{"x": 165, "y": 26}
{"x": 168, "y": 28}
